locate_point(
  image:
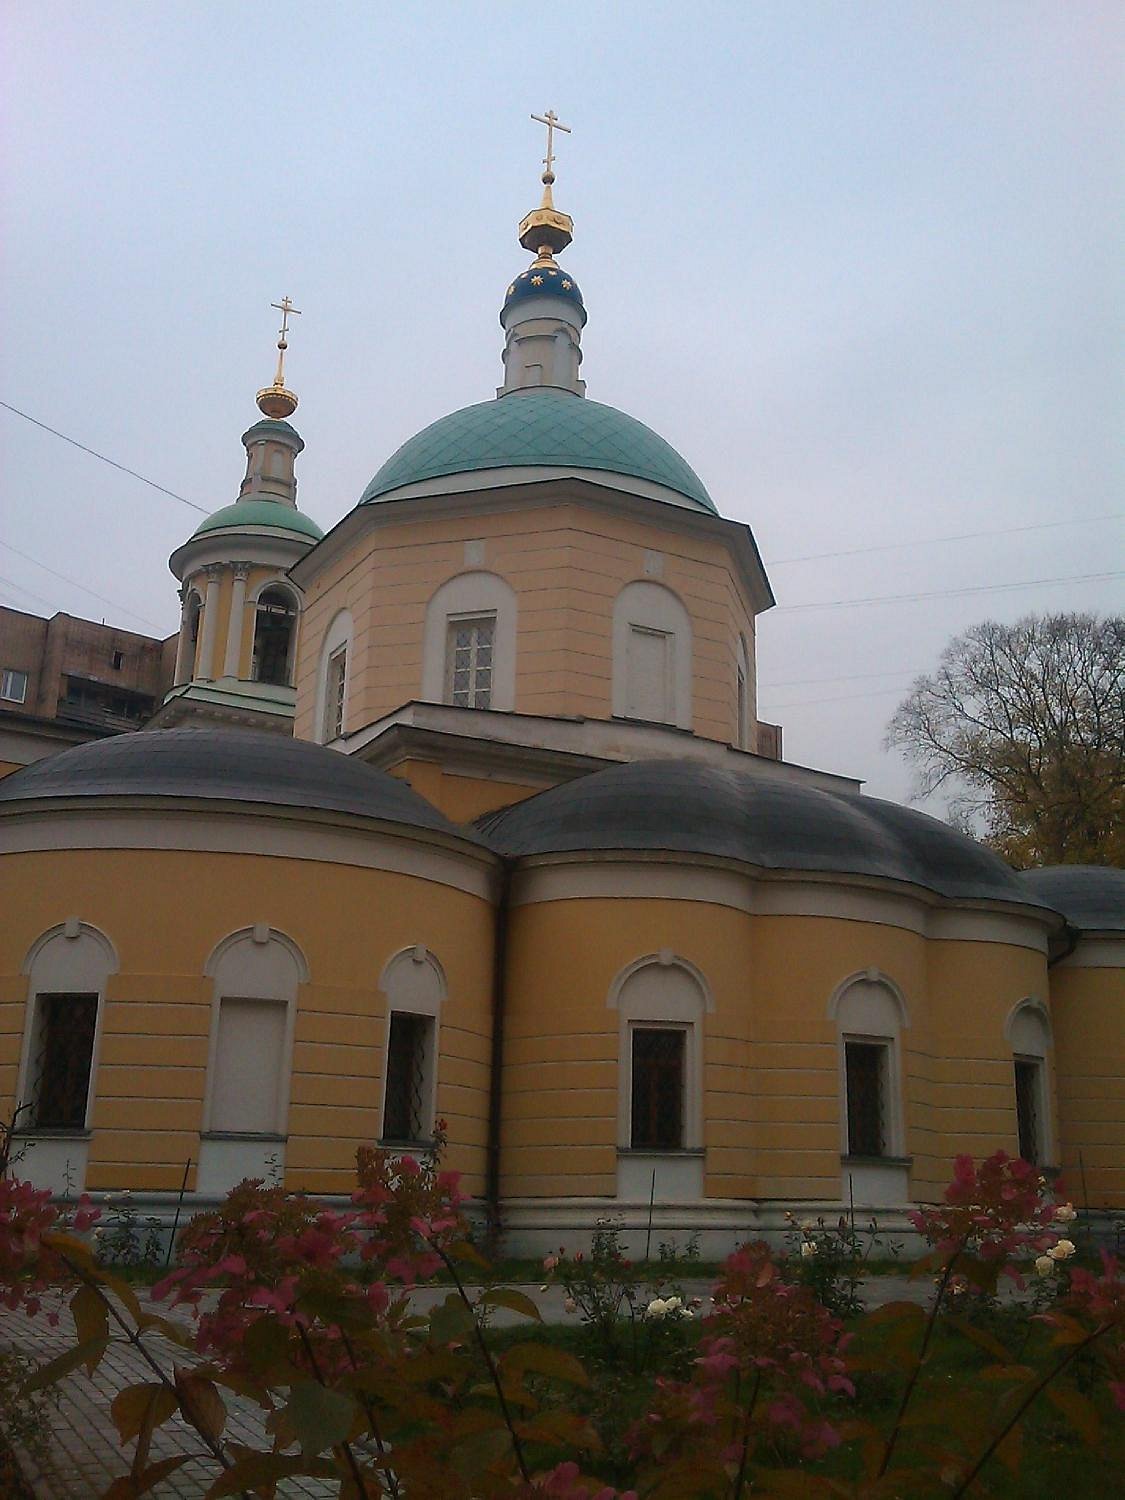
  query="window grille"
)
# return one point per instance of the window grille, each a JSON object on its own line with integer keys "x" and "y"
{"x": 404, "y": 1111}
{"x": 64, "y": 1053}
{"x": 13, "y": 685}
{"x": 275, "y": 620}
{"x": 468, "y": 675}
{"x": 334, "y": 693}
{"x": 1027, "y": 1109}
{"x": 658, "y": 1089}
{"x": 866, "y": 1069}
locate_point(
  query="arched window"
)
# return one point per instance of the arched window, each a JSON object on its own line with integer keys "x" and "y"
{"x": 256, "y": 972}
{"x": 870, "y": 1014}
{"x": 334, "y": 677}
{"x": 68, "y": 969}
{"x": 742, "y": 696}
{"x": 661, "y": 1001}
{"x": 1029, "y": 1035}
{"x": 469, "y": 653}
{"x": 651, "y": 655}
{"x": 414, "y": 984}
{"x": 275, "y": 634}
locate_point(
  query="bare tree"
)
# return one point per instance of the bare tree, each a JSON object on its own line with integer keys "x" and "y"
{"x": 1025, "y": 725}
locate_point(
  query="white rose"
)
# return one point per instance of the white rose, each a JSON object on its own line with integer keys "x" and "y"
{"x": 656, "y": 1308}
{"x": 1044, "y": 1265}
{"x": 1062, "y": 1251}
{"x": 672, "y": 1304}
{"x": 1065, "y": 1213}
{"x": 807, "y": 1249}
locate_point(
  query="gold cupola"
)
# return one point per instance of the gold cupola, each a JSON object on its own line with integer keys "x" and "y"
{"x": 545, "y": 231}
{"x": 275, "y": 400}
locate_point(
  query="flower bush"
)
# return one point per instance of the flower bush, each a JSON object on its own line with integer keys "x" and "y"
{"x": 306, "y": 1310}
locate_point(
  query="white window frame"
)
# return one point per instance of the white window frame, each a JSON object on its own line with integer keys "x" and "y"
{"x": 1027, "y": 1031}
{"x": 870, "y": 1008}
{"x": 467, "y": 596}
{"x": 8, "y": 685}
{"x": 413, "y": 983}
{"x": 337, "y": 643}
{"x": 648, "y": 606}
{"x": 281, "y": 587}
{"x": 461, "y": 622}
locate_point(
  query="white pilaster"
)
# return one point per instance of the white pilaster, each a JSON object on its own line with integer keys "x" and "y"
{"x": 235, "y": 624}
{"x": 210, "y": 623}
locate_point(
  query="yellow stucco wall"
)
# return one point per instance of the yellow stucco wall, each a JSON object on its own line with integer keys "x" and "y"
{"x": 566, "y": 563}
{"x": 8, "y": 766}
{"x": 165, "y": 911}
{"x": 460, "y": 797}
{"x": 1088, "y": 1006}
{"x": 771, "y": 1062}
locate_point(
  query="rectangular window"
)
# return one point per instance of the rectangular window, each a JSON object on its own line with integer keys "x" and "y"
{"x": 405, "y": 1100}
{"x": 13, "y": 685}
{"x": 658, "y": 1088}
{"x": 1028, "y": 1107}
{"x": 866, "y": 1069}
{"x": 648, "y": 681}
{"x": 468, "y": 662}
{"x": 740, "y": 708}
{"x": 64, "y": 1054}
{"x": 118, "y": 660}
{"x": 334, "y": 693}
{"x": 249, "y": 1058}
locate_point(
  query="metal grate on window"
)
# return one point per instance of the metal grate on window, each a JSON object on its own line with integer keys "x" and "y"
{"x": 63, "y": 1057}
{"x": 404, "y": 1104}
{"x": 1027, "y": 1109}
{"x": 469, "y": 662}
{"x": 865, "y": 1067}
{"x": 658, "y": 1089}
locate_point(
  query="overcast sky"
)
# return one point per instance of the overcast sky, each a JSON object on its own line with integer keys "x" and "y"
{"x": 860, "y": 263}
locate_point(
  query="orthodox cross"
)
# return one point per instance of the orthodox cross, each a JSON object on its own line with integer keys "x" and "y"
{"x": 284, "y": 307}
{"x": 551, "y": 120}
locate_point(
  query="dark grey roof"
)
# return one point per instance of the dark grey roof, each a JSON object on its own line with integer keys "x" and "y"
{"x": 225, "y": 765}
{"x": 688, "y": 808}
{"x": 1090, "y": 897}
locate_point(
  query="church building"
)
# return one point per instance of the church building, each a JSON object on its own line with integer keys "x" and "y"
{"x": 463, "y": 811}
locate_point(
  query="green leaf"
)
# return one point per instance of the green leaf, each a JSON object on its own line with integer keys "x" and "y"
{"x": 1079, "y": 1412}
{"x": 893, "y": 1312}
{"x": 980, "y": 1337}
{"x": 90, "y": 1313}
{"x": 544, "y": 1359}
{"x": 141, "y": 1406}
{"x": 202, "y": 1406}
{"x": 509, "y": 1297}
{"x": 131, "y": 1486}
{"x": 266, "y": 1347}
{"x": 451, "y": 1320}
{"x": 257, "y": 1470}
{"x": 351, "y": 1313}
{"x": 174, "y": 1332}
{"x": 88, "y": 1354}
{"x": 320, "y": 1417}
{"x": 464, "y": 1251}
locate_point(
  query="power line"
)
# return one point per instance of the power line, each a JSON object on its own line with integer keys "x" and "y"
{"x": 931, "y": 541}
{"x": 111, "y": 461}
{"x": 19, "y": 588}
{"x": 780, "y": 708}
{"x": 836, "y": 677}
{"x": 113, "y": 603}
{"x": 984, "y": 588}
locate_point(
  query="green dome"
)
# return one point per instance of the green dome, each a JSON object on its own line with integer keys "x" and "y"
{"x": 538, "y": 429}
{"x": 261, "y": 513}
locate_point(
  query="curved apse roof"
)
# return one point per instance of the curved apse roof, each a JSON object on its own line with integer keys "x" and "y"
{"x": 267, "y": 514}
{"x": 684, "y": 807}
{"x": 1090, "y": 897}
{"x": 240, "y": 766}
{"x": 540, "y": 428}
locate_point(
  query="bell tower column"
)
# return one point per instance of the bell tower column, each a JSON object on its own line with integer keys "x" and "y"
{"x": 235, "y": 623}
{"x": 210, "y": 623}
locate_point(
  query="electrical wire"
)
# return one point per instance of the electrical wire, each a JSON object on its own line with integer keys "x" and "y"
{"x": 111, "y": 461}
{"x": 983, "y": 588}
{"x": 113, "y": 603}
{"x": 933, "y": 541}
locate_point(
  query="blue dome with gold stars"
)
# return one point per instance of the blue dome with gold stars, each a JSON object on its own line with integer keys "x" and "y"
{"x": 544, "y": 280}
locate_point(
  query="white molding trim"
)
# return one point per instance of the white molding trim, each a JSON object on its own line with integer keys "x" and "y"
{"x": 1101, "y": 951}
{"x": 258, "y": 934}
{"x": 1031, "y": 1005}
{"x": 412, "y": 1000}
{"x": 73, "y": 928}
{"x": 870, "y": 976}
{"x": 281, "y": 833}
{"x": 340, "y": 632}
{"x": 653, "y": 607}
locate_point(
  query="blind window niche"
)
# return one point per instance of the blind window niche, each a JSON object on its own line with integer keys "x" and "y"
{"x": 648, "y": 668}
{"x": 658, "y": 1079}
{"x": 249, "y": 1058}
{"x": 410, "y": 1045}
{"x": 62, "y": 1057}
{"x": 867, "y": 1070}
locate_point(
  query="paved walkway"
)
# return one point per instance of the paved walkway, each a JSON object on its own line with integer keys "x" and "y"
{"x": 86, "y": 1454}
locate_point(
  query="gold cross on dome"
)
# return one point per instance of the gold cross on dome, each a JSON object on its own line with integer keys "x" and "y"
{"x": 551, "y": 120}
{"x": 285, "y": 307}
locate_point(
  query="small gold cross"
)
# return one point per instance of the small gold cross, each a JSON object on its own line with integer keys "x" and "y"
{"x": 285, "y": 307}
{"x": 551, "y": 120}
